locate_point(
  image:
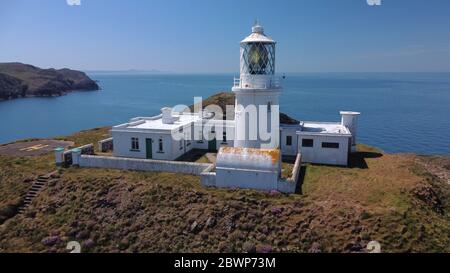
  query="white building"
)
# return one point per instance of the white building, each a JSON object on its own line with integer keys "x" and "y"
{"x": 248, "y": 168}
{"x": 248, "y": 143}
{"x": 170, "y": 135}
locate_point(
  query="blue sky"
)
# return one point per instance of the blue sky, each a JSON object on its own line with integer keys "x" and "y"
{"x": 195, "y": 36}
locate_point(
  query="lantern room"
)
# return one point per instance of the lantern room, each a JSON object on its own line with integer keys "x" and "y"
{"x": 257, "y": 53}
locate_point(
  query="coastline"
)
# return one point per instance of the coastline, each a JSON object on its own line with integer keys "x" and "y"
{"x": 56, "y": 95}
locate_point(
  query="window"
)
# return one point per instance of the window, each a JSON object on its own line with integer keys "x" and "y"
{"x": 258, "y": 58}
{"x": 288, "y": 140}
{"x": 307, "y": 142}
{"x": 269, "y": 106}
{"x": 330, "y": 145}
{"x": 160, "y": 146}
{"x": 181, "y": 144}
{"x": 224, "y": 137}
{"x": 135, "y": 144}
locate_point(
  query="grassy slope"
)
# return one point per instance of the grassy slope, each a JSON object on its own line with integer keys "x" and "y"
{"x": 393, "y": 200}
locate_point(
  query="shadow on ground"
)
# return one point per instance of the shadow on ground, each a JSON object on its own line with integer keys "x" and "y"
{"x": 358, "y": 159}
{"x": 301, "y": 179}
{"x": 192, "y": 156}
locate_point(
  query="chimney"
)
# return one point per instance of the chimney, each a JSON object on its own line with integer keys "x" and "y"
{"x": 167, "y": 117}
{"x": 350, "y": 120}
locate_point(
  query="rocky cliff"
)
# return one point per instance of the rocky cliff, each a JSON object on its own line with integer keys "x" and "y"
{"x": 21, "y": 80}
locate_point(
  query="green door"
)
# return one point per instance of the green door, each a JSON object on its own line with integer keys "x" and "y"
{"x": 148, "y": 148}
{"x": 212, "y": 145}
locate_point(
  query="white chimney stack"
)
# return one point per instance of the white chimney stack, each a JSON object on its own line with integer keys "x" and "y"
{"x": 167, "y": 117}
{"x": 350, "y": 120}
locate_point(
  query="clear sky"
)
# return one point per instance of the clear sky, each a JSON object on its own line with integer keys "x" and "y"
{"x": 195, "y": 36}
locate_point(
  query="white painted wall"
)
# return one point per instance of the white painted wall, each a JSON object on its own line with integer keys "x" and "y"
{"x": 122, "y": 145}
{"x": 320, "y": 155}
{"x": 246, "y": 179}
{"x": 350, "y": 120}
{"x": 289, "y": 131}
{"x": 256, "y": 97}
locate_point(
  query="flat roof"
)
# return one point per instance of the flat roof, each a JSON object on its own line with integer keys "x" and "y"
{"x": 155, "y": 123}
{"x": 323, "y": 128}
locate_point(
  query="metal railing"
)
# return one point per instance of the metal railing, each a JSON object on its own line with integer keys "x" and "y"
{"x": 257, "y": 82}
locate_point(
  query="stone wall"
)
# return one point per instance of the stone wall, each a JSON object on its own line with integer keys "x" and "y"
{"x": 107, "y": 162}
{"x": 106, "y": 145}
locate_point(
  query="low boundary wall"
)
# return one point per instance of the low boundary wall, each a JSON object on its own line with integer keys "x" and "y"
{"x": 208, "y": 178}
{"x": 107, "y": 162}
{"x": 290, "y": 185}
{"x": 85, "y": 150}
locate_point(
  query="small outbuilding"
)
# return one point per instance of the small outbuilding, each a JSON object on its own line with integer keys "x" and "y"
{"x": 248, "y": 168}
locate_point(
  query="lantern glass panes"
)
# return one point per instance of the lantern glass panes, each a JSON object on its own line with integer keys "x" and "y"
{"x": 258, "y": 58}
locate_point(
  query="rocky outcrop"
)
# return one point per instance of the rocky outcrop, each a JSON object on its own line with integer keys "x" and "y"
{"x": 22, "y": 80}
{"x": 11, "y": 87}
{"x": 223, "y": 99}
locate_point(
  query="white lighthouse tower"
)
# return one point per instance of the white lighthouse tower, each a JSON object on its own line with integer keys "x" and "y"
{"x": 257, "y": 93}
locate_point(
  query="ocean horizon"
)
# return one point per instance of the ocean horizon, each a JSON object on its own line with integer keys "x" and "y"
{"x": 401, "y": 112}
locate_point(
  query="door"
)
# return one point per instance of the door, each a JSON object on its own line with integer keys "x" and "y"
{"x": 212, "y": 145}
{"x": 148, "y": 148}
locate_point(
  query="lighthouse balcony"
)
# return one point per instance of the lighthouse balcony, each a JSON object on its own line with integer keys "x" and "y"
{"x": 257, "y": 82}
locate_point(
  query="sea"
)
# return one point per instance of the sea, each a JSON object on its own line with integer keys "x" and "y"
{"x": 401, "y": 112}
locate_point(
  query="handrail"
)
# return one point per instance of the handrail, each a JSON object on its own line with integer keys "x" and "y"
{"x": 251, "y": 82}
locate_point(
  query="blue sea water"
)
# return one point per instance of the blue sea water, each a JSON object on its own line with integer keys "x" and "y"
{"x": 401, "y": 112}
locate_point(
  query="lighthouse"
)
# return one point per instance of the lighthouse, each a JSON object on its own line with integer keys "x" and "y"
{"x": 257, "y": 93}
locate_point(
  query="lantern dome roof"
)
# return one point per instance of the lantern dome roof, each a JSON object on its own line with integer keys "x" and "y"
{"x": 258, "y": 35}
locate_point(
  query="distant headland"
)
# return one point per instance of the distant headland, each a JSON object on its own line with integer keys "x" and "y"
{"x": 18, "y": 80}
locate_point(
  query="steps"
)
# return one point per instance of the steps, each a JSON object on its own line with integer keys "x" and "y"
{"x": 36, "y": 187}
